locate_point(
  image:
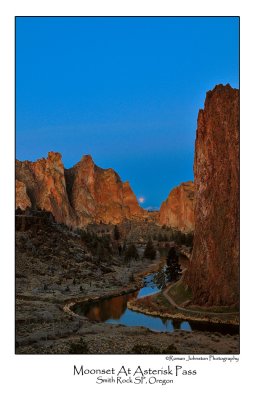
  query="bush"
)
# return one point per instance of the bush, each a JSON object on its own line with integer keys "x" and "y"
{"x": 79, "y": 348}
{"x": 172, "y": 256}
{"x": 131, "y": 253}
{"x": 181, "y": 238}
{"x": 116, "y": 233}
{"x": 99, "y": 246}
{"x": 160, "y": 237}
{"x": 150, "y": 251}
{"x": 145, "y": 349}
{"x": 148, "y": 349}
{"x": 171, "y": 349}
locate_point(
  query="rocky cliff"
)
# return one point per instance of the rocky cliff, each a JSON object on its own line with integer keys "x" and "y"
{"x": 214, "y": 273}
{"x": 178, "y": 209}
{"x": 45, "y": 185}
{"x": 22, "y": 199}
{"x": 76, "y": 196}
{"x": 99, "y": 194}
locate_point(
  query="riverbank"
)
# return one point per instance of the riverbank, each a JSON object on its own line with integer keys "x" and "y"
{"x": 46, "y": 329}
{"x": 174, "y": 302}
{"x": 144, "y": 270}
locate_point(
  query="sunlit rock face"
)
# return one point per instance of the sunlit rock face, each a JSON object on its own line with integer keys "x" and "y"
{"x": 46, "y": 187}
{"x": 214, "y": 272}
{"x": 178, "y": 209}
{"x": 22, "y": 199}
{"x": 79, "y": 195}
{"x": 99, "y": 194}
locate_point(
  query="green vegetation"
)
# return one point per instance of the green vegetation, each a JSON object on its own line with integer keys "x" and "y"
{"x": 181, "y": 238}
{"x": 160, "y": 237}
{"x": 180, "y": 293}
{"x": 100, "y": 246}
{"x": 171, "y": 256}
{"x": 150, "y": 251}
{"x": 116, "y": 233}
{"x": 131, "y": 253}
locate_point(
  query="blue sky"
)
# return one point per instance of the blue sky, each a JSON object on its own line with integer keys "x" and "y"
{"x": 125, "y": 90}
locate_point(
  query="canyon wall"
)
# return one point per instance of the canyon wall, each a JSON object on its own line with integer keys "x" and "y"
{"x": 45, "y": 185}
{"x": 99, "y": 194}
{"x": 76, "y": 196}
{"x": 214, "y": 273}
{"x": 22, "y": 199}
{"x": 178, "y": 209}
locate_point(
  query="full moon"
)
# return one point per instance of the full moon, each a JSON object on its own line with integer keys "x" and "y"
{"x": 141, "y": 199}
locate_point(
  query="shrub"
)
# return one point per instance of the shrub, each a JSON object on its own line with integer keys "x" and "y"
{"x": 131, "y": 253}
{"x": 149, "y": 251}
{"x": 172, "y": 256}
{"x": 171, "y": 349}
{"x": 79, "y": 348}
{"x": 116, "y": 233}
{"x": 145, "y": 349}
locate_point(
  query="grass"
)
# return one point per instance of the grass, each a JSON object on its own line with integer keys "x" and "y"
{"x": 156, "y": 302}
{"x": 180, "y": 293}
{"x": 216, "y": 309}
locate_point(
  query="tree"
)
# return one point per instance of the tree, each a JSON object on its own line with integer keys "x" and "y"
{"x": 172, "y": 256}
{"x": 120, "y": 249}
{"x": 131, "y": 252}
{"x": 150, "y": 251}
{"x": 160, "y": 237}
{"x": 173, "y": 270}
{"x": 116, "y": 233}
{"x": 102, "y": 252}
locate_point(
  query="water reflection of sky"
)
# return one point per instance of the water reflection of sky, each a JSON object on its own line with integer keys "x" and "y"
{"x": 149, "y": 288}
{"x": 132, "y": 318}
{"x": 115, "y": 311}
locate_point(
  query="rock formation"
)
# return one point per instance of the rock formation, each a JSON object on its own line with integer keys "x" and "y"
{"x": 178, "y": 209}
{"x": 46, "y": 187}
{"x": 99, "y": 194}
{"x": 22, "y": 199}
{"x": 214, "y": 272}
{"x": 76, "y": 196}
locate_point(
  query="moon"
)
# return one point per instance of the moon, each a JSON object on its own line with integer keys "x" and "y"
{"x": 141, "y": 199}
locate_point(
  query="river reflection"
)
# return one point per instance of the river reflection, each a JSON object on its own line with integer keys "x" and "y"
{"x": 107, "y": 309}
{"x": 115, "y": 311}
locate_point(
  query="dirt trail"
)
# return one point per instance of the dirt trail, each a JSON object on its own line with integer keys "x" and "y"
{"x": 173, "y": 303}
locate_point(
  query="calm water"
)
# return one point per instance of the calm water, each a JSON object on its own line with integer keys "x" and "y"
{"x": 115, "y": 311}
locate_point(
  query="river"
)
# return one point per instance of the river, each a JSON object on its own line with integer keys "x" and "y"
{"x": 114, "y": 310}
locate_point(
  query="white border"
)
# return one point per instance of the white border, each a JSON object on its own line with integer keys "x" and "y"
{"x": 51, "y": 377}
